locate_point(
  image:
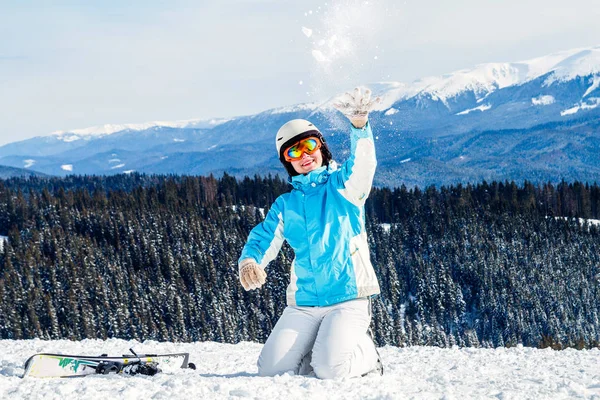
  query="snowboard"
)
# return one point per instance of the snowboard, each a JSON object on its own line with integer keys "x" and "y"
{"x": 66, "y": 366}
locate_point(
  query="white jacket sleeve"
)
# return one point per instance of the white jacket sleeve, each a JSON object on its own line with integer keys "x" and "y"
{"x": 266, "y": 238}
{"x": 356, "y": 175}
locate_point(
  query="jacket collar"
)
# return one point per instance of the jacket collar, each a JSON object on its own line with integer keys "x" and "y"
{"x": 316, "y": 176}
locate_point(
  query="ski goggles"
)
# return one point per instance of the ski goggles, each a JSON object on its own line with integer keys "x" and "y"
{"x": 308, "y": 146}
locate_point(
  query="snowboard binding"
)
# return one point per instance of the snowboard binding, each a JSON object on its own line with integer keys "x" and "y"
{"x": 107, "y": 367}
{"x": 133, "y": 368}
{"x": 137, "y": 367}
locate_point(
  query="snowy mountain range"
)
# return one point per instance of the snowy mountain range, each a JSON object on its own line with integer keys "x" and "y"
{"x": 536, "y": 119}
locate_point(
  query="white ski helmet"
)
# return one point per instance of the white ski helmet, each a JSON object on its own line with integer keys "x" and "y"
{"x": 291, "y": 129}
{"x": 295, "y": 130}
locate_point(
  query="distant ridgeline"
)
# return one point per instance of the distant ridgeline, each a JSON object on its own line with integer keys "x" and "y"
{"x": 155, "y": 257}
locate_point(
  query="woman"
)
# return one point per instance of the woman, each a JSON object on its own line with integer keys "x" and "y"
{"x": 325, "y": 324}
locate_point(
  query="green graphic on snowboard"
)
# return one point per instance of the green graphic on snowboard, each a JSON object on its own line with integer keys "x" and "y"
{"x": 72, "y": 363}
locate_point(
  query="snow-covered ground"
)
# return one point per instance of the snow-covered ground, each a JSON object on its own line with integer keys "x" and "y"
{"x": 227, "y": 371}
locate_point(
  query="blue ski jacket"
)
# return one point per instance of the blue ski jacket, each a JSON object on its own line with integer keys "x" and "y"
{"x": 323, "y": 220}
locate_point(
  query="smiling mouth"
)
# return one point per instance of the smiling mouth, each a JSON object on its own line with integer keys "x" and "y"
{"x": 308, "y": 163}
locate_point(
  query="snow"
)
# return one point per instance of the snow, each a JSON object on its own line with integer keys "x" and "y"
{"x": 578, "y": 62}
{"x": 582, "y": 221}
{"x": 391, "y": 92}
{"x": 482, "y": 80}
{"x": 108, "y": 129}
{"x": 340, "y": 41}
{"x": 481, "y": 108}
{"x": 2, "y": 240}
{"x": 595, "y": 85}
{"x": 67, "y": 167}
{"x": 543, "y": 100}
{"x": 593, "y": 103}
{"x": 405, "y": 161}
{"x": 295, "y": 108}
{"x": 28, "y": 163}
{"x": 570, "y": 111}
{"x": 114, "y": 160}
{"x": 489, "y": 77}
{"x": 542, "y": 65}
{"x": 179, "y": 140}
{"x": 319, "y": 56}
{"x": 391, "y": 111}
{"x": 228, "y": 371}
{"x": 117, "y": 166}
{"x": 69, "y": 138}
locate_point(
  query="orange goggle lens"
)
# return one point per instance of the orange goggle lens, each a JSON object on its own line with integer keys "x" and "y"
{"x": 308, "y": 146}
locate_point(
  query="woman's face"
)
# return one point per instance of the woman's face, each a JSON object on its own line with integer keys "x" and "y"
{"x": 308, "y": 162}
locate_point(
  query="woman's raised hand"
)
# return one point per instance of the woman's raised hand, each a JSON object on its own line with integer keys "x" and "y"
{"x": 356, "y": 106}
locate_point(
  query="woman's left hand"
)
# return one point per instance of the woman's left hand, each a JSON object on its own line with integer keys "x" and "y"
{"x": 252, "y": 276}
{"x": 356, "y": 106}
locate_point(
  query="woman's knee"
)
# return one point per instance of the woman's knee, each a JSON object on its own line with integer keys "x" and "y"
{"x": 330, "y": 368}
{"x": 268, "y": 370}
{"x": 332, "y": 371}
{"x": 268, "y": 366}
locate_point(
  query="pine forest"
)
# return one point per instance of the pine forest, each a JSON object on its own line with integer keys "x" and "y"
{"x": 155, "y": 257}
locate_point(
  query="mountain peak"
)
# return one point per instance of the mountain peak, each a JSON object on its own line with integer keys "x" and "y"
{"x": 581, "y": 62}
{"x": 108, "y": 129}
{"x": 488, "y": 77}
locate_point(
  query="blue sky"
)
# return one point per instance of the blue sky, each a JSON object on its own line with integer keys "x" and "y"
{"x": 74, "y": 64}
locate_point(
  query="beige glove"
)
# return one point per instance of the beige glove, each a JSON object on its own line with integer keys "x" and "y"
{"x": 252, "y": 276}
{"x": 356, "y": 106}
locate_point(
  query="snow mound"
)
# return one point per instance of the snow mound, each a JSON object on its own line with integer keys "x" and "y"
{"x": 595, "y": 85}
{"x": 584, "y": 105}
{"x": 226, "y": 371}
{"x": 542, "y": 100}
{"x": 480, "y": 108}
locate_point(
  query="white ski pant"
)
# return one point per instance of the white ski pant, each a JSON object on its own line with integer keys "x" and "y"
{"x": 337, "y": 336}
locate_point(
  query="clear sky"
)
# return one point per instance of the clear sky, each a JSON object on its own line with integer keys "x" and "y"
{"x": 74, "y": 64}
